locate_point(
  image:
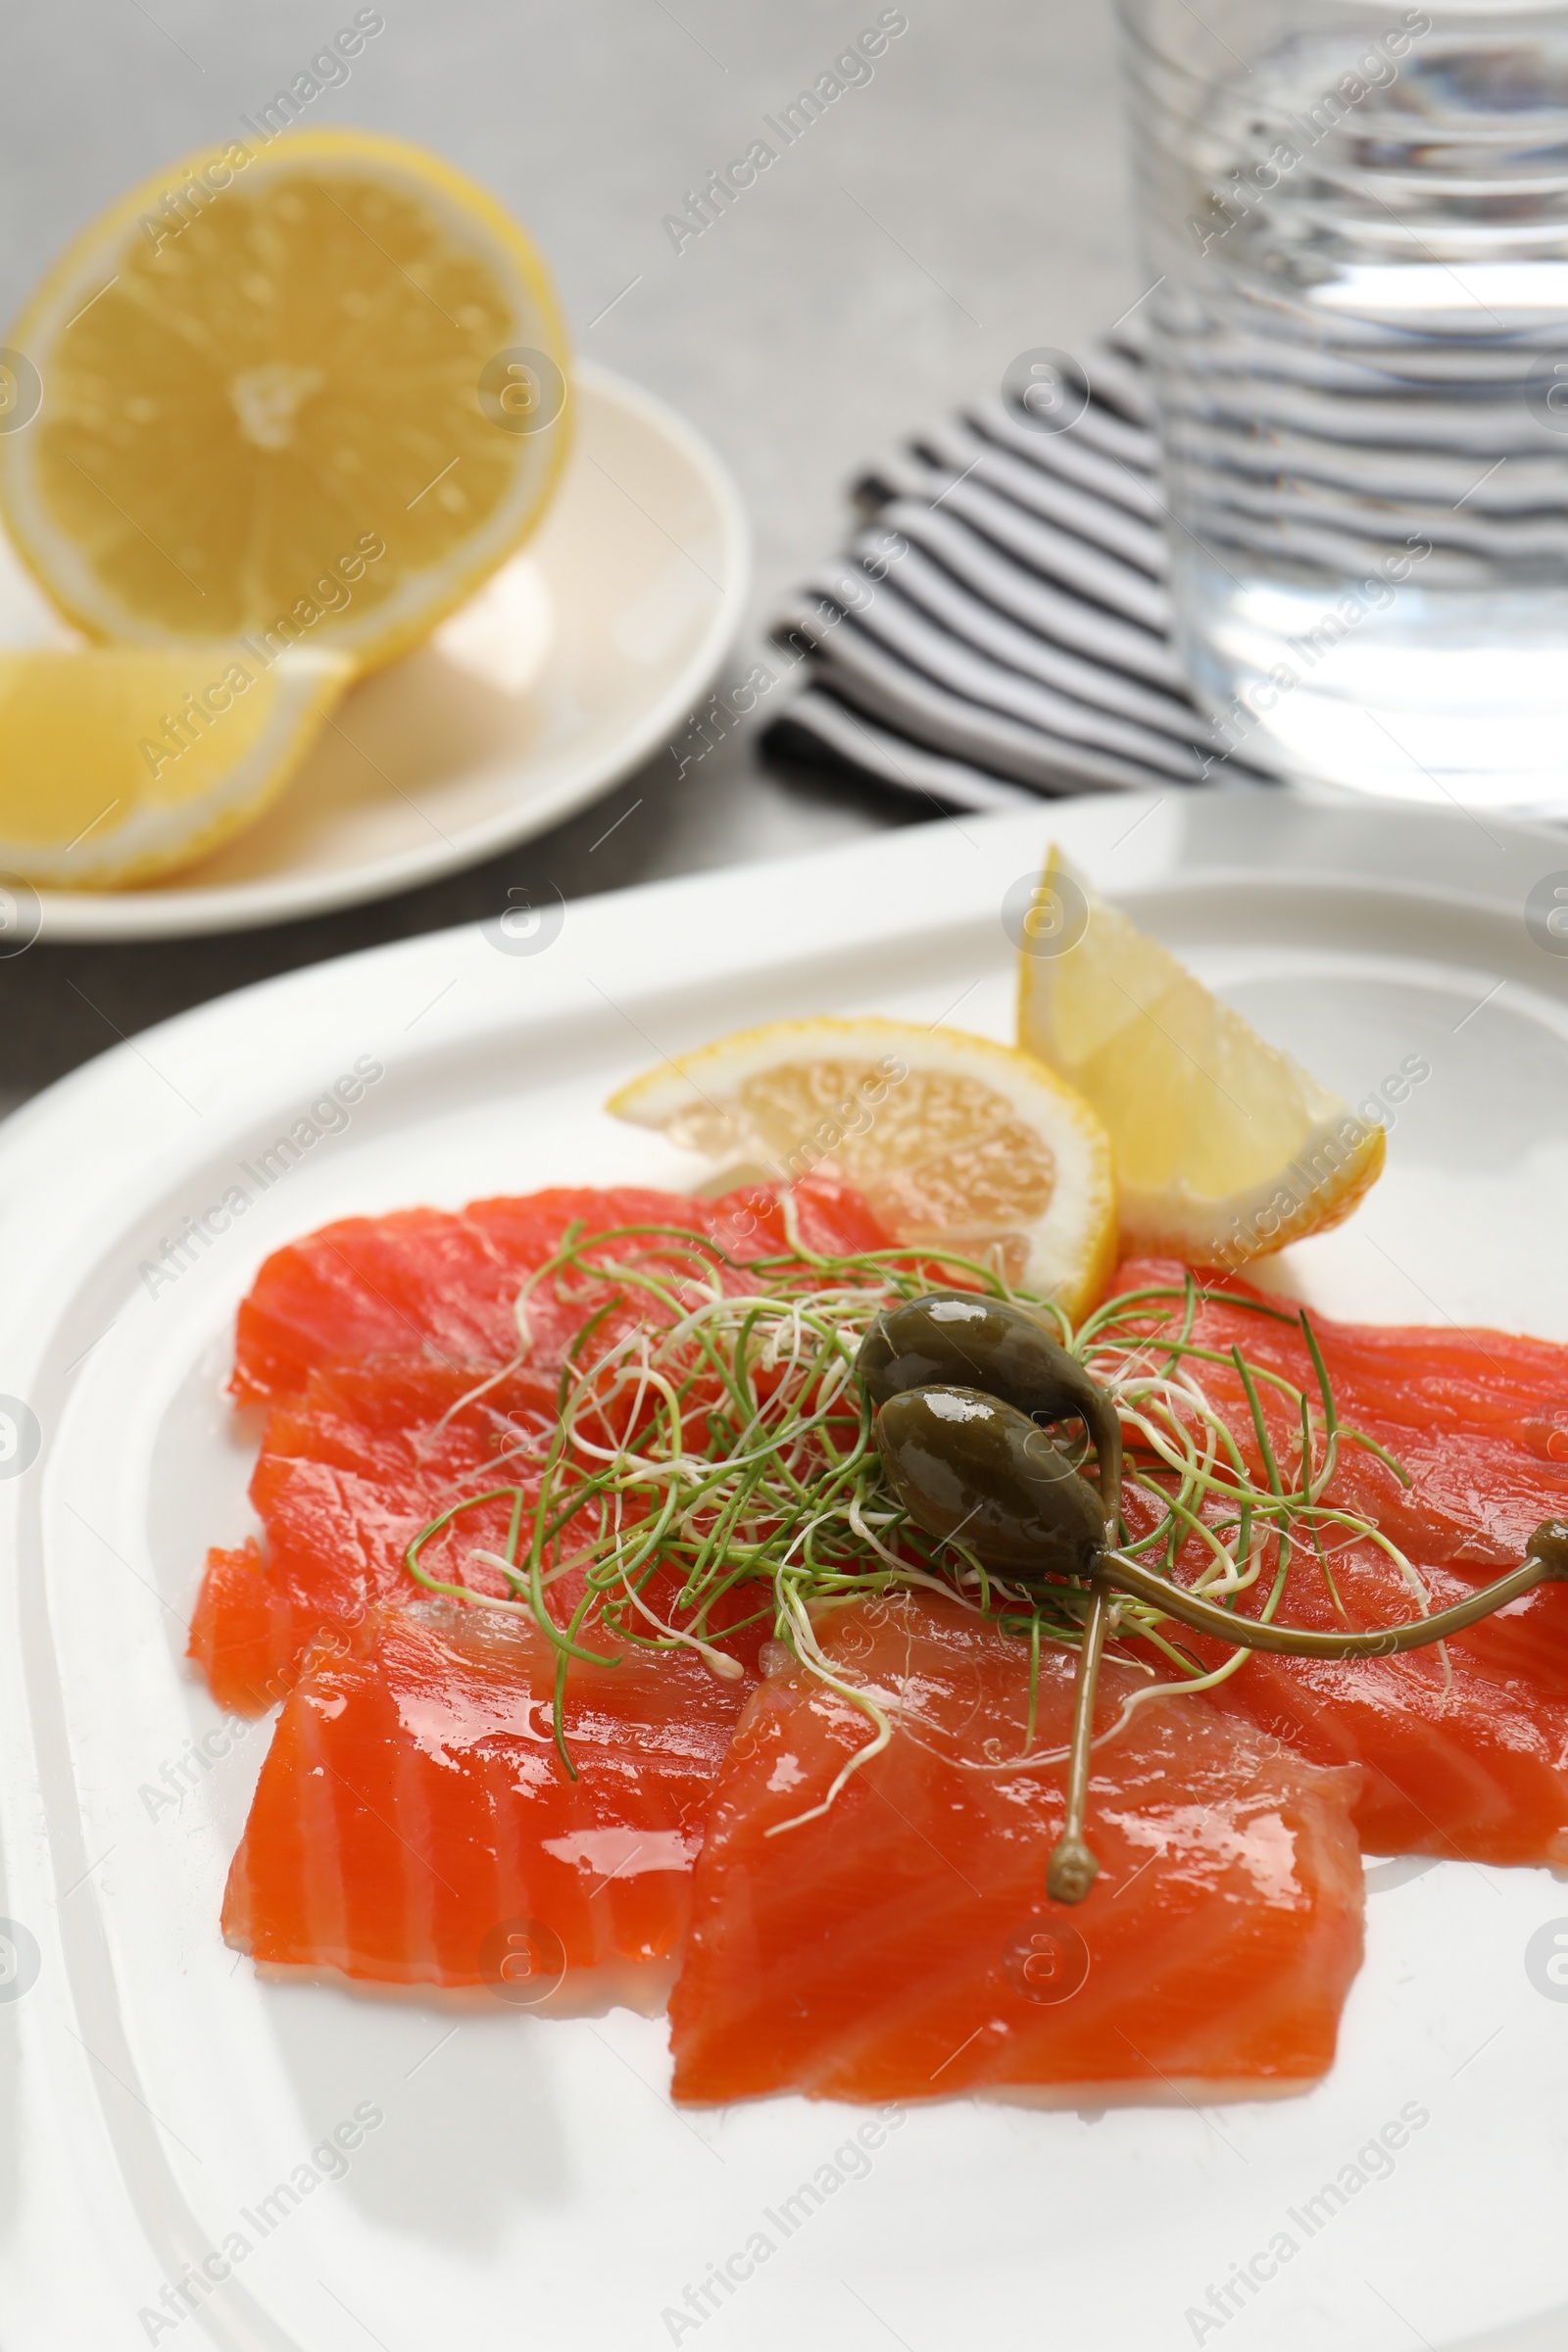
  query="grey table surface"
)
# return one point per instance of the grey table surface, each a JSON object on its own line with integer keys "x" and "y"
{"x": 967, "y": 203}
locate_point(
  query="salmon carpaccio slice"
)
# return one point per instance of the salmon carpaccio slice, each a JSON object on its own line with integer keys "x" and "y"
{"x": 364, "y": 1338}
{"x": 348, "y": 1474}
{"x": 443, "y": 1284}
{"x": 1469, "y": 1759}
{"x": 413, "y": 1824}
{"x": 902, "y": 1945}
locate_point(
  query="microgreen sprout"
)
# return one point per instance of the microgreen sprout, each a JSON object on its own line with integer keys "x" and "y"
{"x": 712, "y": 1472}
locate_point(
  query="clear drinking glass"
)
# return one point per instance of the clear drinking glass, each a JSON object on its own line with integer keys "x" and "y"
{"x": 1357, "y": 217}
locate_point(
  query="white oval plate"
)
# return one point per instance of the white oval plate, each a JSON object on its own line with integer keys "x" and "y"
{"x": 574, "y": 666}
{"x": 526, "y": 2180}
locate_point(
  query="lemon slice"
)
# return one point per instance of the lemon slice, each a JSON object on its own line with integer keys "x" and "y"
{"x": 1225, "y": 1147}
{"x": 955, "y": 1140}
{"x": 314, "y": 393}
{"x": 118, "y": 764}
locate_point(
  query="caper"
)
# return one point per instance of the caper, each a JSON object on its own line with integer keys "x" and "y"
{"x": 970, "y": 1469}
{"x": 960, "y": 1340}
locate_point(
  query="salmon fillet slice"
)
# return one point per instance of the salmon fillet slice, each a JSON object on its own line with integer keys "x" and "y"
{"x": 1479, "y": 1418}
{"x": 348, "y": 1474}
{"x": 1464, "y": 1755}
{"x": 443, "y": 1284}
{"x": 364, "y": 1338}
{"x": 413, "y": 1823}
{"x": 900, "y": 1945}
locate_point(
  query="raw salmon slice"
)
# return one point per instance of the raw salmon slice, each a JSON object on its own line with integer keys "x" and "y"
{"x": 348, "y": 1474}
{"x": 1468, "y": 1757}
{"x": 1479, "y": 1418}
{"x": 1461, "y": 1763}
{"x": 900, "y": 1945}
{"x": 413, "y": 1823}
{"x": 366, "y": 1336}
{"x": 425, "y": 1281}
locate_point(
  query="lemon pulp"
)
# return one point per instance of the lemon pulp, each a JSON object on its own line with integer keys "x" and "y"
{"x": 956, "y": 1141}
{"x": 269, "y": 409}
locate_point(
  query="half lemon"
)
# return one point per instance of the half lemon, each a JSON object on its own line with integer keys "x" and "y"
{"x": 1225, "y": 1147}
{"x": 956, "y": 1141}
{"x": 307, "y": 393}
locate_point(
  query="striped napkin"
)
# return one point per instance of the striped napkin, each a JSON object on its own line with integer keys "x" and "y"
{"x": 1002, "y": 626}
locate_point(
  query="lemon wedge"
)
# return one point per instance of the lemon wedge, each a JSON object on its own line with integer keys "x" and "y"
{"x": 1225, "y": 1147}
{"x": 119, "y": 765}
{"x": 955, "y": 1140}
{"x": 311, "y": 393}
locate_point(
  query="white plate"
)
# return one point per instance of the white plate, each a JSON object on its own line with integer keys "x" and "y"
{"x": 529, "y": 2182}
{"x": 577, "y": 663}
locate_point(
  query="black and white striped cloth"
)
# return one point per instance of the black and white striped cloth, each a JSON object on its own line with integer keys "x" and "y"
{"x": 1002, "y": 628}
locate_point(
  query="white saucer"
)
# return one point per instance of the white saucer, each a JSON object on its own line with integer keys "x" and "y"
{"x": 576, "y": 664}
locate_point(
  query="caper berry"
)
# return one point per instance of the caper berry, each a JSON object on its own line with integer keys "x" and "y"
{"x": 971, "y": 1469}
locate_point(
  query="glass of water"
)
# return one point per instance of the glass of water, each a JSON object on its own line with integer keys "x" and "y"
{"x": 1357, "y": 217}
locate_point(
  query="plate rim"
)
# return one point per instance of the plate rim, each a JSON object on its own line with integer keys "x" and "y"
{"x": 72, "y": 917}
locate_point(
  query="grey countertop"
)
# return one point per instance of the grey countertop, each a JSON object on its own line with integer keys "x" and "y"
{"x": 966, "y": 203}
